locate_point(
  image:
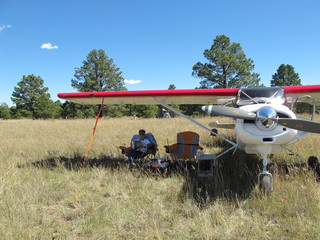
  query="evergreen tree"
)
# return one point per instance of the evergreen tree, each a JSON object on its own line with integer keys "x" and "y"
{"x": 171, "y": 87}
{"x": 145, "y": 111}
{"x": 97, "y": 74}
{"x": 29, "y": 95}
{"x": 228, "y": 66}
{"x": 4, "y": 111}
{"x": 285, "y": 76}
{"x": 75, "y": 110}
{"x": 45, "y": 108}
{"x": 69, "y": 110}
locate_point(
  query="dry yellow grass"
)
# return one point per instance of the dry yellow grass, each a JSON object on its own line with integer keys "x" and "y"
{"x": 103, "y": 203}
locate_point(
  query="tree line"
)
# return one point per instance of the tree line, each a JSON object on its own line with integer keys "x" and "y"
{"x": 226, "y": 67}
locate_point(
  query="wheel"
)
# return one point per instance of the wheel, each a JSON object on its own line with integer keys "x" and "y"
{"x": 312, "y": 162}
{"x": 266, "y": 184}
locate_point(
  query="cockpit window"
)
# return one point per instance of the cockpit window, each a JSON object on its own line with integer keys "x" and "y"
{"x": 260, "y": 95}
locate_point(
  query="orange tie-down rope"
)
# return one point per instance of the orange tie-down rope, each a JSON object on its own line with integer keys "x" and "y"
{"x": 92, "y": 135}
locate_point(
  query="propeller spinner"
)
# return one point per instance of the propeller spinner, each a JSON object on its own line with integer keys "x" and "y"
{"x": 266, "y": 118}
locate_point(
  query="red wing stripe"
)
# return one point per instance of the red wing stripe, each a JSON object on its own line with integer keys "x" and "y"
{"x": 302, "y": 89}
{"x": 153, "y": 93}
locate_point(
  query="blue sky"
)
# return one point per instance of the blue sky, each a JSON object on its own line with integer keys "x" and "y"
{"x": 154, "y": 42}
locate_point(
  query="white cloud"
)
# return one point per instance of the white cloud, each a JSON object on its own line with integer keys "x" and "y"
{"x": 132, "y": 81}
{"x": 3, "y": 27}
{"x": 48, "y": 46}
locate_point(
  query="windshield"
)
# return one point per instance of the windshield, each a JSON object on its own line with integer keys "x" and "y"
{"x": 262, "y": 95}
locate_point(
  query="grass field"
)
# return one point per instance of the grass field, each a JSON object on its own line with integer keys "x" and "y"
{"x": 44, "y": 196}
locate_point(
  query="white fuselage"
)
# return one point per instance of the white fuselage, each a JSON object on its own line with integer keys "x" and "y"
{"x": 256, "y": 140}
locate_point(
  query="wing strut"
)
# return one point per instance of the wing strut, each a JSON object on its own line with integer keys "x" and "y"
{"x": 294, "y": 153}
{"x": 85, "y": 158}
{"x": 194, "y": 121}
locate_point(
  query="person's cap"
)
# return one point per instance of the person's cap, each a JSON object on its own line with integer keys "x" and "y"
{"x": 142, "y": 132}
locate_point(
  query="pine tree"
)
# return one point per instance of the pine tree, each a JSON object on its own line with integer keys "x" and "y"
{"x": 227, "y": 67}
{"x": 4, "y": 111}
{"x": 285, "y": 76}
{"x": 29, "y": 95}
{"x": 97, "y": 74}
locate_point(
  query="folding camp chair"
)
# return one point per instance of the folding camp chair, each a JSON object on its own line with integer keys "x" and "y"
{"x": 152, "y": 147}
{"x": 186, "y": 146}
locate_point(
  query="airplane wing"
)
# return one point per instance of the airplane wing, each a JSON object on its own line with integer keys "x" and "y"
{"x": 188, "y": 96}
{"x": 309, "y": 93}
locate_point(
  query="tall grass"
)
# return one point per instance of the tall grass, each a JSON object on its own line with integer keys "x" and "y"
{"x": 43, "y": 196}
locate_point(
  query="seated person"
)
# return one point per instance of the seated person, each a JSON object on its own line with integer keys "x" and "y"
{"x": 138, "y": 146}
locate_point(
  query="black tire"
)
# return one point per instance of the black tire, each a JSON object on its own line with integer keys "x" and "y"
{"x": 312, "y": 162}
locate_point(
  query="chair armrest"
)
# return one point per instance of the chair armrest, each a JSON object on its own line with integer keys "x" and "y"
{"x": 152, "y": 149}
{"x": 125, "y": 150}
{"x": 172, "y": 148}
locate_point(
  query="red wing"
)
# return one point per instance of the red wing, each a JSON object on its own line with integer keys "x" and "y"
{"x": 192, "y": 96}
{"x": 309, "y": 93}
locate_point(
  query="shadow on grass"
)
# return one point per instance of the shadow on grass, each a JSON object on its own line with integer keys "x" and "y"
{"x": 234, "y": 177}
{"x": 76, "y": 162}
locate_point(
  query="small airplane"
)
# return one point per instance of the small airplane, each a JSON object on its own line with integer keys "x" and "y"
{"x": 264, "y": 124}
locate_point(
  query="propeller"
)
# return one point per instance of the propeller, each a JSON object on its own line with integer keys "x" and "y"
{"x": 229, "y": 112}
{"x": 298, "y": 124}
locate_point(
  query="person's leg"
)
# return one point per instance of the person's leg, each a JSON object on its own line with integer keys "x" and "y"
{"x": 133, "y": 154}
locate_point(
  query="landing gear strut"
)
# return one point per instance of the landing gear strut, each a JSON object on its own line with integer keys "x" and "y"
{"x": 265, "y": 178}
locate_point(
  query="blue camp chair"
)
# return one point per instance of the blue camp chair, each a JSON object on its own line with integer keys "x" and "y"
{"x": 152, "y": 147}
